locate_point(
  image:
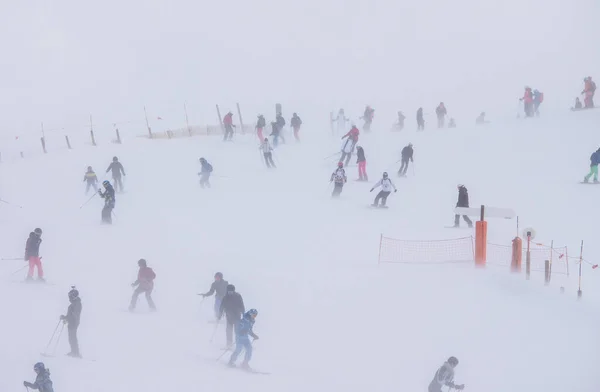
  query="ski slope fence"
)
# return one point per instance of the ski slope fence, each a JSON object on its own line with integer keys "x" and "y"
{"x": 501, "y": 255}
{"x": 459, "y": 250}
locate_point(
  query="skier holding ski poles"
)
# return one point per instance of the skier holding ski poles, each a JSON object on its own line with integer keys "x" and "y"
{"x": 445, "y": 377}
{"x": 219, "y": 288}
{"x": 72, "y": 319}
{"x": 386, "y": 188}
{"x": 42, "y": 380}
{"x": 243, "y": 332}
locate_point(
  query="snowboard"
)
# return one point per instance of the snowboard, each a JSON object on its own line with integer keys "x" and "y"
{"x": 590, "y": 183}
{"x": 372, "y": 206}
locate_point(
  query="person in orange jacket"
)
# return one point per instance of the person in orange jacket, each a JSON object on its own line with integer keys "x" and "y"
{"x": 528, "y": 102}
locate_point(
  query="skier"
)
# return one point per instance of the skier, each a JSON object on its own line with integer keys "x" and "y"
{"x": 32, "y": 254}
{"x": 407, "y": 154}
{"x": 594, "y": 161}
{"x": 296, "y": 123}
{"x": 353, "y": 134}
{"x": 445, "y": 377}
{"x": 244, "y": 329}
{"x": 538, "y": 98}
{"x": 481, "y": 119}
{"x": 233, "y": 307}
{"x": 109, "y": 201}
{"x": 588, "y": 91}
{"x": 219, "y": 289}
{"x": 368, "y": 117}
{"x": 400, "y": 123}
{"x": 463, "y": 201}
{"x": 267, "y": 151}
{"x": 205, "y": 173}
{"x": 280, "y": 125}
{"x": 72, "y": 319}
{"x": 261, "y": 123}
{"x": 341, "y": 121}
{"x": 117, "y": 169}
{"x": 362, "y": 164}
{"x": 441, "y": 112}
{"x": 451, "y": 123}
{"x": 228, "y": 124}
{"x": 578, "y": 105}
{"x": 386, "y": 188}
{"x": 42, "y": 380}
{"x": 275, "y": 133}
{"x": 339, "y": 178}
{"x": 420, "y": 120}
{"x": 91, "y": 179}
{"x": 347, "y": 148}
{"x": 528, "y": 102}
{"x": 143, "y": 284}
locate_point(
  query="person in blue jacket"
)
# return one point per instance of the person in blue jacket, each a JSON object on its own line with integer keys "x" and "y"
{"x": 594, "y": 161}
{"x": 243, "y": 332}
{"x": 205, "y": 173}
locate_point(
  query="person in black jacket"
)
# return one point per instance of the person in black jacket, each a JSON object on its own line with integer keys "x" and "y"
{"x": 296, "y": 123}
{"x": 233, "y": 307}
{"x": 280, "y": 125}
{"x": 117, "y": 169}
{"x": 72, "y": 320}
{"x": 407, "y": 153}
{"x": 463, "y": 201}
{"x": 275, "y": 132}
{"x": 109, "y": 202}
{"x": 420, "y": 120}
{"x": 32, "y": 254}
{"x": 219, "y": 288}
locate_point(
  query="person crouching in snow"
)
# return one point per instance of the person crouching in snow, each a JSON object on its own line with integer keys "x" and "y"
{"x": 386, "y": 188}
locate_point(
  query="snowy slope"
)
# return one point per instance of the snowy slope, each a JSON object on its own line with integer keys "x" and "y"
{"x": 329, "y": 317}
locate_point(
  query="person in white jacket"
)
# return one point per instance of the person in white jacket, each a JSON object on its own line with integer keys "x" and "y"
{"x": 386, "y": 188}
{"x": 267, "y": 151}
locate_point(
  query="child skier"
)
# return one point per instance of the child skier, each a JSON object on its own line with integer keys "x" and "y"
{"x": 362, "y": 164}
{"x": 117, "y": 169}
{"x": 42, "y": 380}
{"x": 296, "y": 123}
{"x": 243, "y": 331}
{"x": 594, "y": 161}
{"x": 143, "y": 284}
{"x": 339, "y": 178}
{"x": 109, "y": 201}
{"x": 407, "y": 154}
{"x": 91, "y": 179}
{"x": 205, "y": 173}
{"x": 219, "y": 289}
{"x": 233, "y": 307}
{"x": 463, "y": 201}
{"x": 261, "y": 123}
{"x": 445, "y": 377}
{"x": 386, "y": 188}
{"x": 267, "y": 151}
{"x": 72, "y": 319}
{"x": 32, "y": 254}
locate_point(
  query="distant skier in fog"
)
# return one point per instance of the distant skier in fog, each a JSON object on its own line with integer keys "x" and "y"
{"x": 527, "y": 102}
{"x": 109, "y": 201}
{"x": 117, "y": 170}
{"x": 228, "y": 124}
{"x": 219, "y": 289}
{"x": 205, "y": 171}
{"x": 280, "y": 126}
{"x": 362, "y": 164}
{"x": 445, "y": 377}
{"x": 261, "y": 123}
{"x": 481, "y": 119}
{"x": 368, "y": 116}
{"x": 233, "y": 307}
{"x": 588, "y": 92}
{"x": 441, "y": 113}
{"x": 406, "y": 155}
{"x": 32, "y": 254}
{"x": 339, "y": 179}
{"x": 91, "y": 179}
{"x": 267, "y": 151}
{"x": 420, "y": 120}
{"x": 400, "y": 123}
{"x": 275, "y": 133}
{"x": 143, "y": 284}
{"x": 538, "y": 98}
{"x": 296, "y": 123}
{"x": 463, "y": 201}
{"x": 341, "y": 121}
{"x": 72, "y": 319}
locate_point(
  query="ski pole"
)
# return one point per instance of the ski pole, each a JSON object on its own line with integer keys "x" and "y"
{"x": 19, "y": 270}
{"x": 52, "y": 337}
{"x": 10, "y": 204}
{"x": 212, "y": 338}
{"x": 331, "y": 156}
{"x": 58, "y": 338}
{"x": 11, "y": 258}
{"x": 222, "y": 355}
{"x": 88, "y": 200}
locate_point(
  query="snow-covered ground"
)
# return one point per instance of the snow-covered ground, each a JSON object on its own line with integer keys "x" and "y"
{"x": 330, "y": 318}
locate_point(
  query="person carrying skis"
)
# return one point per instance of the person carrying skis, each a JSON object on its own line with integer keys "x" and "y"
{"x": 386, "y": 188}
{"x": 368, "y": 116}
{"x": 267, "y": 151}
{"x": 243, "y": 332}
{"x": 280, "y": 125}
{"x": 296, "y": 123}
{"x": 339, "y": 178}
{"x": 441, "y": 112}
{"x": 143, "y": 284}
{"x": 445, "y": 377}
{"x": 109, "y": 201}
{"x": 463, "y": 201}
{"x": 204, "y": 174}
{"x": 538, "y": 98}
{"x": 275, "y": 133}
{"x": 528, "y": 102}
{"x": 400, "y": 123}
{"x": 233, "y": 307}
{"x": 219, "y": 289}
{"x": 594, "y": 161}
{"x": 261, "y": 123}
{"x": 588, "y": 91}
{"x": 42, "y": 380}
{"x": 117, "y": 169}
{"x": 91, "y": 179}
{"x": 362, "y": 164}
{"x": 72, "y": 319}
{"x": 228, "y": 124}
{"x": 32, "y": 254}
{"x": 407, "y": 154}
{"x": 420, "y": 120}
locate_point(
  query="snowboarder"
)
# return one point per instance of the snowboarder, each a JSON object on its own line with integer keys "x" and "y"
{"x": 280, "y": 125}
{"x": 233, "y": 307}
{"x": 441, "y": 112}
{"x": 588, "y": 91}
{"x": 594, "y": 161}
{"x": 420, "y": 120}
{"x": 32, "y": 254}
{"x": 386, "y": 188}
{"x": 109, "y": 201}
{"x": 527, "y": 99}
{"x": 368, "y": 117}
{"x": 339, "y": 178}
{"x": 42, "y": 380}
{"x": 243, "y": 332}
{"x": 205, "y": 173}
{"x": 275, "y": 133}
{"x": 341, "y": 121}
{"x": 578, "y": 105}
{"x": 296, "y": 123}
{"x": 91, "y": 179}
{"x": 267, "y": 151}
{"x": 463, "y": 201}
{"x": 445, "y": 377}
{"x": 143, "y": 284}
{"x": 219, "y": 289}
{"x": 400, "y": 123}
{"x": 261, "y": 123}
{"x": 481, "y": 119}
{"x": 228, "y": 124}
{"x": 538, "y": 98}
{"x": 72, "y": 319}
{"x": 407, "y": 154}
{"x": 362, "y": 164}
{"x": 117, "y": 169}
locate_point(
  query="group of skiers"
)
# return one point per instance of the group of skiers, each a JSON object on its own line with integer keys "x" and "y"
{"x": 91, "y": 180}
{"x": 277, "y": 128}
{"x": 532, "y": 100}
{"x": 342, "y": 121}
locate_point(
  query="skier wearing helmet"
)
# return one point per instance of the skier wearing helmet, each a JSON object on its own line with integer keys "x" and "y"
{"x": 386, "y": 188}
{"x": 109, "y": 201}
{"x": 339, "y": 178}
{"x": 205, "y": 173}
{"x": 32, "y": 254}
{"x": 445, "y": 377}
{"x": 233, "y": 307}
{"x": 72, "y": 319}
{"x": 91, "y": 179}
{"x": 243, "y": 331}
{"x": 219, "y": 289}
{"x": 42, "y": 380}
{"x": 117, "y": 169}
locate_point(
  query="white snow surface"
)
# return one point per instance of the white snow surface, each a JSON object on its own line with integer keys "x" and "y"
{"x": 330, "y": 318}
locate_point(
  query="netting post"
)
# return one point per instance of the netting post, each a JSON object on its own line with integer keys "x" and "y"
{"x": 43, "y": 140}
{"x": 579, "y": 292}
{"x": 517, "y": 255}
{"x": 481, "y": 240}
{"x": 68, "y": 142}
{"x": 22, "y": 156}
{"x": 240, "y": 116}
{"x": 220, "y": 119}
{"x": 118, "y": 136}
{"x": 380, "y": 243}
{"x": 547, "y": 272}
{"x": 528, "y": 257}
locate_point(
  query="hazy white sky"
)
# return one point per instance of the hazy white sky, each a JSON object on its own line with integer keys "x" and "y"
{"x": 63, "y": 60}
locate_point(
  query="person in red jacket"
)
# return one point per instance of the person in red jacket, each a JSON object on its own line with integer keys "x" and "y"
{"x": 352, "y": 134}
{"x": 228, "y": 124}
{"x": 528, "y": 102}
{"x": 143, "y": 284}
{"x": 588, "y": 92}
